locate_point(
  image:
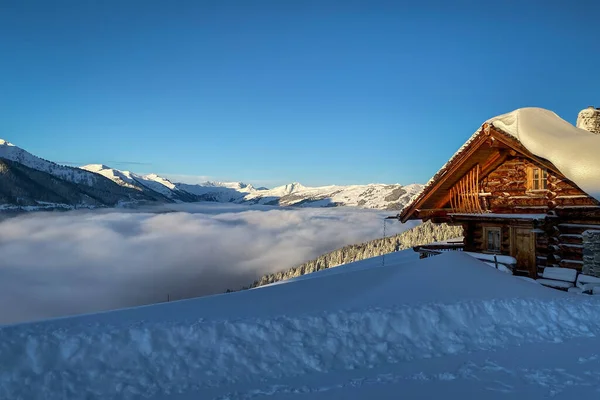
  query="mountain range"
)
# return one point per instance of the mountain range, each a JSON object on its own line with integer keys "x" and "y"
{"x": 28, "y": 182}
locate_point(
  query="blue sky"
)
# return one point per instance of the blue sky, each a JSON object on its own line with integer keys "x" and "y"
{"x": 270, "y": 92}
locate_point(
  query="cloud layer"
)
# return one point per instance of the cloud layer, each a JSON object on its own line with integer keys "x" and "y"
{"x": 55, "y": 264}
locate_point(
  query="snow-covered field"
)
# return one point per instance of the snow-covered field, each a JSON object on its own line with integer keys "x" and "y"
{"x": 444, "y": 327}
{"x": 64, "y": 263}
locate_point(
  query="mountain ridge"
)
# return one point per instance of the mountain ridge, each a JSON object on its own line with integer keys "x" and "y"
{"x": 123, "y": 188}
{"x": 29, "y": 181}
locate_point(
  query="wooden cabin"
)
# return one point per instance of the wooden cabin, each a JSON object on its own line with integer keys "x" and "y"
{"x": 510, "y": 202}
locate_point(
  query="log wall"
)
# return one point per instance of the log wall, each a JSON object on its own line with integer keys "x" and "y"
{"x": 558, "y": 239}
{"x": 506, "y": 190}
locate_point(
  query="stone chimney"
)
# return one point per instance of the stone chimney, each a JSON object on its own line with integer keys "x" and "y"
{"x": 589, "y": 119}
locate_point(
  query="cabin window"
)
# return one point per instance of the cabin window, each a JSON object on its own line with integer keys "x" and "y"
{"x": 492, "y": 237}
{"x": 537, "y": 178}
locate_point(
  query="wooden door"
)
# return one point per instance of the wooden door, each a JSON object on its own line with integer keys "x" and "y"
{"x": 522, "y": 247}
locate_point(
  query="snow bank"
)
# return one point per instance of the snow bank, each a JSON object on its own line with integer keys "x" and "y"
{"x": 572, "y": 150}
{"x": 443, "y": 305}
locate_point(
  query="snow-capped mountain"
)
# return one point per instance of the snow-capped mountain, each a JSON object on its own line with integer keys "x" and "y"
{"x": 75, "y": 175}
{"x": 51, "y": 186}
{"x": 380, "y": 196}
{"x": 28, "y": 182}
{"x": 223, "y": 192}
{"x": 150, "y": 184}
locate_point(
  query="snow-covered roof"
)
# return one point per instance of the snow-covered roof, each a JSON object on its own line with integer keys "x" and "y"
{"x": 574, "y": 151}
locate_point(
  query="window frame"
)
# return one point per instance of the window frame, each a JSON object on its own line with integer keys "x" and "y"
{"x": 486, "y": 243}
{"x": 539, "y": 183}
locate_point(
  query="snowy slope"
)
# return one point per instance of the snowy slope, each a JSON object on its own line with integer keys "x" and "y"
{"x": 122, "y": 178}
{"x": 433, "y": 328}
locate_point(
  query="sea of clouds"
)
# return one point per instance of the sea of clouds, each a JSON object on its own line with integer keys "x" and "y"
{"x": 63, "y": 263}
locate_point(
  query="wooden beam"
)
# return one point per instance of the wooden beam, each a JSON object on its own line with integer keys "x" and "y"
{"x": 450, "y": 171}
{"x": 493, "y": 162}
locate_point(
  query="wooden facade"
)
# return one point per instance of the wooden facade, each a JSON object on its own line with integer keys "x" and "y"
{"x": 509, "y": 202}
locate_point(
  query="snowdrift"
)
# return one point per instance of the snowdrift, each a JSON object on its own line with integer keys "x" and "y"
{"x": 418, "y": 309}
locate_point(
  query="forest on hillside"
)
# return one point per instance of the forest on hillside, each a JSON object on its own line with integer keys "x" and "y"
{"x": 427, "y": 232}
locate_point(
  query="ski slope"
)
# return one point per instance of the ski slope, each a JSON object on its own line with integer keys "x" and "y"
{"x": 444, "y": 327}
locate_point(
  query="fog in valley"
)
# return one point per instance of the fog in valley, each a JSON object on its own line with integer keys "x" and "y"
{"x": 61, "y": 263}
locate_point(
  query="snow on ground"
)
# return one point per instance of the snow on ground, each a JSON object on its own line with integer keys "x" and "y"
{"x": 437, "y": 327}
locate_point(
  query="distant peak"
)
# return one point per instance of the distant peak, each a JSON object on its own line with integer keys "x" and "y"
{"x": 290, "y": 187}
{"x": 230, "y": 185}
{"x": 5, "y": 143}
{"x": 294, "y": 185}
{"x": 95, "y": 167}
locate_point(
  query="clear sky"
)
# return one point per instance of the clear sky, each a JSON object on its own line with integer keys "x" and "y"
{"x": 270, "y": 92}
